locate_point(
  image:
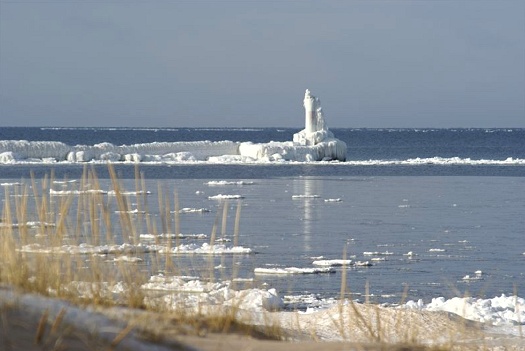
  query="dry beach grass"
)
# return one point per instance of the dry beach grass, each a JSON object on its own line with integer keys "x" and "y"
{"x": 39, "y": 309}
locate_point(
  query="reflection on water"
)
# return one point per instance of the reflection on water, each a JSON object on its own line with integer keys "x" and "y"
{"x": 308, "y": 191}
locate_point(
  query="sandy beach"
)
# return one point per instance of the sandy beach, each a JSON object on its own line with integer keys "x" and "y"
{"x": 33, "y": 322}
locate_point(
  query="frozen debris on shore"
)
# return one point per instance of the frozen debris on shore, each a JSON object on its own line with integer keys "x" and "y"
{"x": 502, "y": 310}
{"x": 208, "y": 294}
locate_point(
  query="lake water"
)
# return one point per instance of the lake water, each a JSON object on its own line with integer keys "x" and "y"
{"x": 426, "y": 227}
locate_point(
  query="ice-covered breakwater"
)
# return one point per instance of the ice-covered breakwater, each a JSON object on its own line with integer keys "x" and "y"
{"x": 54, "y": 151}
{"x": 314, "y": 143}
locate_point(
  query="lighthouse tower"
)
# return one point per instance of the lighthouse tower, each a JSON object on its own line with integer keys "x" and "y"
{"x": 310, "y": 108}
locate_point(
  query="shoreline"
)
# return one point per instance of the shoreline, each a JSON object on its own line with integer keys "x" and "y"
{"x": 33, "y": 322}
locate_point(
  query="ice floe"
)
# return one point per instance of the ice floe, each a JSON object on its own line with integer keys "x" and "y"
{"x": 193, "y": 210}
{"x": 225, "y": 182}
{"x": 225, "y": 197}
{"x": 293, "y": 270}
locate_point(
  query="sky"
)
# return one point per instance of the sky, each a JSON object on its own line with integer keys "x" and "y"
{"x": 247, "y": 63}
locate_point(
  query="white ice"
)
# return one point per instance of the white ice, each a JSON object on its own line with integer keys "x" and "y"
{"x": 506, "y": 313}
{"x": 293, "y": 270}
{"x": 187, "y": 249}
{"x": 225, "y": 182}
{"x": 498, "y": 311}
{"x": 225, "y": 197}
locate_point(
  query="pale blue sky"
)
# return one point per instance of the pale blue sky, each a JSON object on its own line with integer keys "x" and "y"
{"x": 244, "y": 63}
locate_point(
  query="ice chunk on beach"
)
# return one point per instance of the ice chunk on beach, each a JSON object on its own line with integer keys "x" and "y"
{"x": 502, "y": 310}
{"x": 209, "y": 294}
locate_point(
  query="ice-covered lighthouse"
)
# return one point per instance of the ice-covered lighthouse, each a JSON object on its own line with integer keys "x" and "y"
{"x": 315, "y": 132}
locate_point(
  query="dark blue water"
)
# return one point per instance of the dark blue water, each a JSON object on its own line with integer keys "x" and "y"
{"x": 363, "y": 144}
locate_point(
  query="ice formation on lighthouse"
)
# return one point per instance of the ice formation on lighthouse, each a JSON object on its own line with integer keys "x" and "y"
{"x": 315, "y": 130}
{"x": 314, "y": 143}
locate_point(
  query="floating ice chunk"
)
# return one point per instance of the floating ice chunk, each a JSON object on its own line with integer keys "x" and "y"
{"x": 193, "y": 210}
{"x": 333, "y": 263}
{"x": 65, "y": 181}
{"x": 376, "y": 253}
{"x": 225, "y": 182}
{"x": 11, "y": 184}
{"x": 124, "y": 192}
{"x": 293, "y": 270}
{"x": 225, "y": 197}
{"x": 172, "y": 236}
{"x": 477, "y": 276}
{"x": 204, "y": 249}
{"x": 333, "y": 200}
{"x": 53, "y": 192}
{"x": 305, "y": 196}
{"x": 135, "y": 211}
